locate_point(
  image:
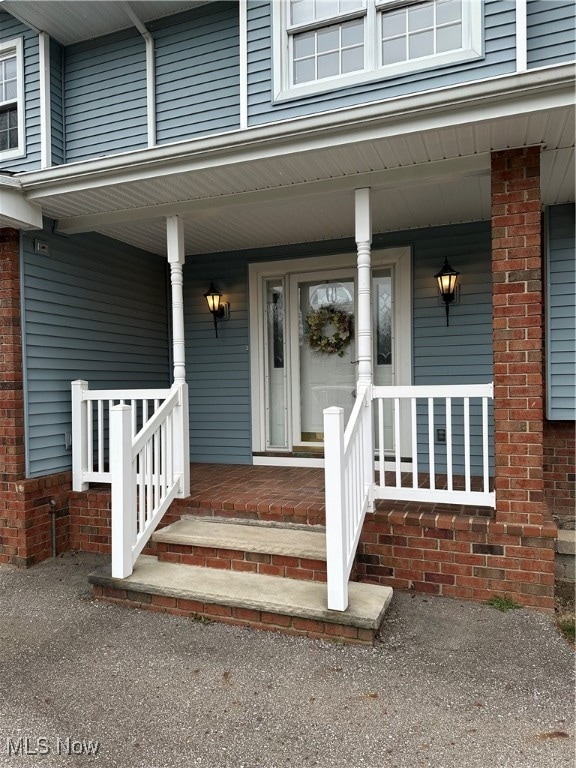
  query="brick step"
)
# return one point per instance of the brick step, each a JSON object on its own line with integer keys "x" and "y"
{"x": 291, "y": 606}
{"x": 270, "y": 550}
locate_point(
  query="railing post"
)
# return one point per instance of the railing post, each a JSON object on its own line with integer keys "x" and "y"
{"x": 79, "y": 435}
{"x": 123, "y": 491}
{"x": 336, "y": 556}
{"x": 182, "y": 442}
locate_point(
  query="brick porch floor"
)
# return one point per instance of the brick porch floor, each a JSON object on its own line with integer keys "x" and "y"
{"x": 289, "y": 494}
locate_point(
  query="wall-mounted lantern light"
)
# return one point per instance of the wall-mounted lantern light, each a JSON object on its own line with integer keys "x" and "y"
{"x": 447, "y": 279}
{"x": 220, "y": 309}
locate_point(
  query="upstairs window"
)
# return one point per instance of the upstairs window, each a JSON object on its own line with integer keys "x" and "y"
{"x": 11, "y": 100}
{"x": 414, "y": 32}
{"x": 322, "y": 48}
{"x": 325, "y": 44}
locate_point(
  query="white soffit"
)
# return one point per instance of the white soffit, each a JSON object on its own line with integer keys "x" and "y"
{"x": 71, "y": 22}
{"x": 310, "y": 219}
{"x": 558, "y": 175}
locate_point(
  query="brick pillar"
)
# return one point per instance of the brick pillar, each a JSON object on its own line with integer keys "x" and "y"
{"x": 518, "y": 359}
{"x": 12, "y": 462}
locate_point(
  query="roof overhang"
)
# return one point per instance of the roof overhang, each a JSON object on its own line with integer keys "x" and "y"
{"x": 15, "y": 210}
{"x": 426, "y": 157}
{"x": 72, "y": 22}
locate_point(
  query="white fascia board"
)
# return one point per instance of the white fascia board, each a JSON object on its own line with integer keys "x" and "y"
{"x": 504, "y": 96}
{"x": 16, "y": 211}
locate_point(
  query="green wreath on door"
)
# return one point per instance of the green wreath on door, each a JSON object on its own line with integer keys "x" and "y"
{"x": 335, "y": 344}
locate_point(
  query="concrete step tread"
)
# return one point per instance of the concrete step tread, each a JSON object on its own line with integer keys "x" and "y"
{"x": 291, "y": 597}
{"x": 247, "y": 538}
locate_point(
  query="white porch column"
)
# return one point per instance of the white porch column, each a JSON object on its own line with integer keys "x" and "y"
{"x": 176, "y": 258}
{"x": 363, "y": 223}
{"x": 175, "y": 243}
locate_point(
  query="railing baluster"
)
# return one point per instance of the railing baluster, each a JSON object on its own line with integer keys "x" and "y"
{"x": 144, "y": 412}
{"x": 397, "y": 442}
{"x": 140, "y": 488}
{"x": 90, "y": 436}
{"x": 100, "y": 408}
{"x": 449, "y": 443}
{"x": 414, "y": 420}
{"x": 381, "y": 441}
{"x": 157, "y": 468}
{"x": 134, "y": 417}
{"x": 431, "y": 457}
{"x": 170, "y": 447}
{"x": 485, "y": 456}
{"x": 149, "y": 484}
{"x": 467, "y": 443}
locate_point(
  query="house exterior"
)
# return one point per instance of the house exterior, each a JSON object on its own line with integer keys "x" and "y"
{"x": 300, "y": 156}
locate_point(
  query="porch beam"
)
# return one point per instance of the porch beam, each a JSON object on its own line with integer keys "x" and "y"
{"x": 176, "y": 258}
{"x": 363, "y": 228}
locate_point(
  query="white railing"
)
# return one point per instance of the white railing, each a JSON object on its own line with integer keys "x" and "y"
{"x": 349, "y": 474}
{"x": 442, "y": 470}
{"x": 91, "y": 427}
{"x": 148, "y": 471}
{"x": 459, "y": 414}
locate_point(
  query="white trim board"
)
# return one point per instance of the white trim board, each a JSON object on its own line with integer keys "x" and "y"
{"x": 45, "y": 101}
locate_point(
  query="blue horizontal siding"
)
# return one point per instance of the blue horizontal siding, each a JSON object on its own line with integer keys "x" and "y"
{"x": 499, "y": 59}
{"x": 461, "y": 353}
{"x": 197, "y": 72}
{"x": 105, "y": 96}
{"x": 218, "y": 370}
{"x": 94, "y": 309}
{"x": 10, "y": 29}
{"x": 551, "y": 32}
{"x": 561, "y": 313}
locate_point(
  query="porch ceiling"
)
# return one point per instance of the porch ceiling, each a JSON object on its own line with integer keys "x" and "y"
{"x": 295, "y": 184}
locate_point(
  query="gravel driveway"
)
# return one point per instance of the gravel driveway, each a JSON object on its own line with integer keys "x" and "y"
{"x": 450, "y": 684}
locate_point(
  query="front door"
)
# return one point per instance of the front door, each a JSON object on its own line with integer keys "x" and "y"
{"x": 303, "y": 359}
{"x": 322, "y": 350}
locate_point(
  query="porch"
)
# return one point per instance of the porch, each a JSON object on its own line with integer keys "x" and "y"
{"x": 248, "y": 547}
{"x": 293, "y": 495}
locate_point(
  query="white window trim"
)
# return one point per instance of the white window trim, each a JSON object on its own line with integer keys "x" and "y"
{"x": 11, "y": 48}
{"x": 473, "y": 48}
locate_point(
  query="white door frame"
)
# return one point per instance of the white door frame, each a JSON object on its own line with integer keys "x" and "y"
{"x": 399, "y": 257}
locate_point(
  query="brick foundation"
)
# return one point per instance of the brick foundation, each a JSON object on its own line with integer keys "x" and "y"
{"x": 26, "y": 518}
{"x": 560, "y": 470}
{"x": 472, "y": 558}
